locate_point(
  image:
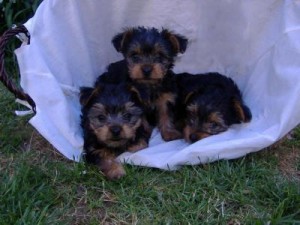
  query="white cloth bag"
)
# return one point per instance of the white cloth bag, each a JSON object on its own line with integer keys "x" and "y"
{"x": 257, "y": 43}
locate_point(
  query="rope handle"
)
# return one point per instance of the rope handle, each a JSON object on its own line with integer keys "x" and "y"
{"x": 20, "y": 94}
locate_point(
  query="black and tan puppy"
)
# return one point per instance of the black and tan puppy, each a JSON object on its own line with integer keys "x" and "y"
{"x": 112, "y": 122}
{"x": 149, "y": 56}
{"x": 208, "y": 105}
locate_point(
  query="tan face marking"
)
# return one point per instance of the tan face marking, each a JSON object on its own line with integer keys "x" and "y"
{"x": 198, "y": 127}
{"x": 102, "y": 123}
{"x": 136, "y": 72}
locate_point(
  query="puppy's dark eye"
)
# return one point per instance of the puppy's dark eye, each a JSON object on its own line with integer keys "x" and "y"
{"x": 127, "y": 117}
{"x": 191, "y": 121}
{"x": 214, "y": 125}
{"x": 135, "y": 58}
{"x": 101, "y": 118}
{"x": 160, "y": 57}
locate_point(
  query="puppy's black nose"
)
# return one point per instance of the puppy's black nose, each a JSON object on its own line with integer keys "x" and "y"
{"x": 193, "y": 138}
{"x": 115, "y": 130}
{"x": 147, "y": 69}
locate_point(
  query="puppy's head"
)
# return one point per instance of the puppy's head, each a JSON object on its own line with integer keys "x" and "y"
{"x": 149, "y": 53}
{"x": 211, "y": 113}
{"x": 111, "y": 113}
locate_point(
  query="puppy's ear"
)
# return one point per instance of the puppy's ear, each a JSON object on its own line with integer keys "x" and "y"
{"x": 243, "y": 113}
{"x": 178, "y": 42}
{"x": 189, "y": 96}
{"x": 120, "y": 40}
{"x": 86, "y": 94}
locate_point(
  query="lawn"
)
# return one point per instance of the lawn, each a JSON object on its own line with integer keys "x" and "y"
{"x": 39, "y": 186}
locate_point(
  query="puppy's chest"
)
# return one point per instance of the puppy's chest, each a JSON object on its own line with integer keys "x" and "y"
{"x": 150, "y": 94}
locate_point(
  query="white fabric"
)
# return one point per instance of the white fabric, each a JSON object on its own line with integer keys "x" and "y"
{"x": 257, "y": 43}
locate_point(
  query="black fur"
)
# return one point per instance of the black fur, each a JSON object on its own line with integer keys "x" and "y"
{"x": 149, "y": 56}
{"x": 118, "y": 106}
{"x": 209, "y": 93}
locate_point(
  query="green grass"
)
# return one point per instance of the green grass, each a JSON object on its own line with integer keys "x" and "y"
{"x": 38, "y": 186}
{"x": 16, "y": 12}
{"x": 28, "y": 196}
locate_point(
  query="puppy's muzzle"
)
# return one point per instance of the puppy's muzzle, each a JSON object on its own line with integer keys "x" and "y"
{"x": 147, "y": 70}
{"x": 115, "y": 131}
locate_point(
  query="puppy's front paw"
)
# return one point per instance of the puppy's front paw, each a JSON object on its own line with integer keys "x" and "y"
{"x": 112, "y": 170}
{"x": 170, "y": 134}
{"x": 115, "y": 173}
{"x": 137, "y": 146}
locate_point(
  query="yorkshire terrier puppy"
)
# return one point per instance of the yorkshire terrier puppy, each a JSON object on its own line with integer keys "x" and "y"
{"x": 112, "y": 122}
{"x": 208, "y": 104}
{"x": 149, "y": 56}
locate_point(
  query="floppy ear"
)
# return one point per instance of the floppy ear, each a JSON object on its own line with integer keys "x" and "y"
{"x": 242, "y": 111}
{"x": 86, "y": 94}
{"x": 120, "y": 40}
{"x": 178, "y": 42}
{"x": 189, "y": 96}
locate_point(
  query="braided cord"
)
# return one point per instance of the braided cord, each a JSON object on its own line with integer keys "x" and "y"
{"x": 3, "y": 74}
